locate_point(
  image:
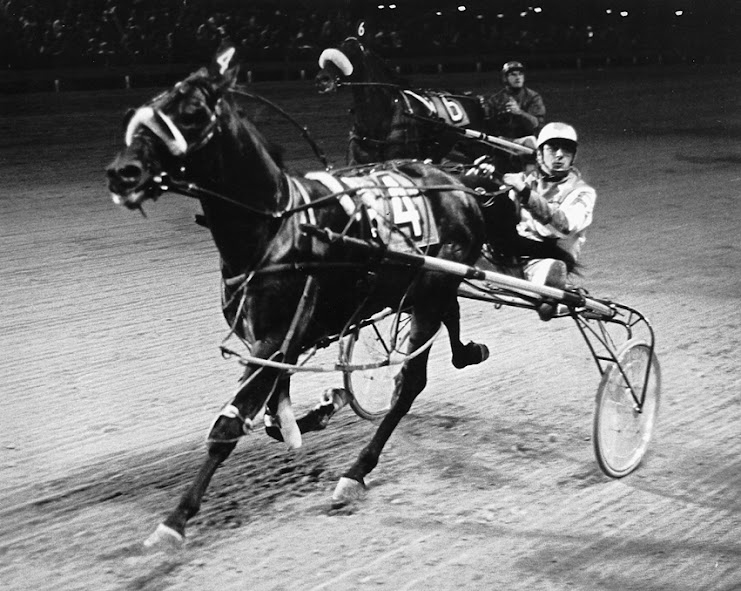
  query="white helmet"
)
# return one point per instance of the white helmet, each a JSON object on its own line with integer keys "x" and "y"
{"x": 555, "y": 131}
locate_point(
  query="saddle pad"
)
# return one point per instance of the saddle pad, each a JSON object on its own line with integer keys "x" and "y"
{"x": 441, "y": 106}
{"x": 400, "y": 213}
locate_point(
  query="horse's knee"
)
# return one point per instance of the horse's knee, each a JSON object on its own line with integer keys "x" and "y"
{"x": 224, "y": 435}
{"x": 408, "y": 385}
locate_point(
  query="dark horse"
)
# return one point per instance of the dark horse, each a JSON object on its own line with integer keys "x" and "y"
{"x": 392, "y": 120}
{"x": 195, "y": 140}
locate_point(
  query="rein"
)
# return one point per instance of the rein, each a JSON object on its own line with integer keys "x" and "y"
{"x": 407, "y": 112}
{"x": 189, "y": 189}
{"x": 193, "y": 190}
{"x": 302, "y": 128}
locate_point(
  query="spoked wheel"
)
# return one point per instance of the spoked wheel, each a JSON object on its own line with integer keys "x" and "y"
{"x": 372, "y": 389}
{"x": 621, "y": 431}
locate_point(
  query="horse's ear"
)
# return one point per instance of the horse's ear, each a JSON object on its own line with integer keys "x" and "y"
{"x": 224, "y": 65}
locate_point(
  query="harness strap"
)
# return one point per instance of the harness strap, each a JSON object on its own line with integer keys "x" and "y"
{"x": 297, "y": 192}
{"x": 334, "y": 185}
{"x": 307, "y": 300}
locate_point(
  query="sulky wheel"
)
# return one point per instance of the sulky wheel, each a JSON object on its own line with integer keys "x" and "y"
{"x": 620, "y": 432}
{"x": 371, "y": 390}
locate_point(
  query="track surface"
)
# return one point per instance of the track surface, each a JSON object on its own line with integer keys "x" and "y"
{"x": 111, "y": 375}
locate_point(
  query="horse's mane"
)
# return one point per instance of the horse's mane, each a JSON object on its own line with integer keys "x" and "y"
{"x": 275, "y": 150}
{"x": 388, "y": 71}
{"x": 378, "y": 65}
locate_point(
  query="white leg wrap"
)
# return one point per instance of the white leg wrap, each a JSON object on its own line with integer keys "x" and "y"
{"x": 288, "y": 427}
{"x": 337, "y": 397}
{"x": 163, "y": 536}
{"x": 348, "y": 490}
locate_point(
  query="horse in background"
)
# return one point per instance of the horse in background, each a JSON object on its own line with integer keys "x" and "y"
{"x": 391, "y": 119}
{"x": 294, "y": 288}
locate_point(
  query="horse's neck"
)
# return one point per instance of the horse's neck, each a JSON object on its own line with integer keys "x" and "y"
{"x": 249, "y": 177}
{"x": 374, "y": 109}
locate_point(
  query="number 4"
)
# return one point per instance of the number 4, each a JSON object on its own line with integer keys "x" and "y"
{"x": 225, "y": 59}
{"x": 406, "y": 213}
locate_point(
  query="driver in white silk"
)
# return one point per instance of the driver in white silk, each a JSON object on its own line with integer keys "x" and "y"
{"x": 555, "y": 207}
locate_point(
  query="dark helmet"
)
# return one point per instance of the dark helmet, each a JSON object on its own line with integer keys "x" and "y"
{"x": 512, "y": 66}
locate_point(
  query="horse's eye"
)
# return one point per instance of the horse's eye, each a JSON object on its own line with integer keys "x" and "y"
{"x": 194, "y": 115}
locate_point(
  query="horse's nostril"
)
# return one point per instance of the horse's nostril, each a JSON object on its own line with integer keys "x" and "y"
{"x": 130, "y": 172}
{"x": 124, "y": 176}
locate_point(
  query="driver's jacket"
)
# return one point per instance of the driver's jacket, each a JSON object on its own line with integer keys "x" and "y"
{"x": 558, "y": 209}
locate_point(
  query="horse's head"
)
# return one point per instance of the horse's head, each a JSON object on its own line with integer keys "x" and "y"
{"x": 162, "y": 135}
{"x": 339, "y": 63}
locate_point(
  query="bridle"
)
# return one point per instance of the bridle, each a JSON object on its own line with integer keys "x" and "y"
{"x": 152, "y": 116}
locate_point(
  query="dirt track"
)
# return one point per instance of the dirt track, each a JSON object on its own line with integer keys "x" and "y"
{"x": 111, "y": 375}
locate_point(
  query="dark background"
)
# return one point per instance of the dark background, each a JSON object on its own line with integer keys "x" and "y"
{"x": 103, "y": 41}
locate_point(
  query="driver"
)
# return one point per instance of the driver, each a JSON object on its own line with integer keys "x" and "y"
{"x": 515, "y": 111}
{"x": 553, "y": 206}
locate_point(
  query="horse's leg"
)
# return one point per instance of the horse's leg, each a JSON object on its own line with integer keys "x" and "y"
{"x": 280, "y": 406}
{"x": 234, "y": 421}
{"x": 332, "y": 400}
{"x": 463, "y": 355}
{"x": 410, "y": 381}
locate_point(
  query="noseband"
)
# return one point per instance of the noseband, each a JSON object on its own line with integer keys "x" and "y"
{"x": 152, "y": 117}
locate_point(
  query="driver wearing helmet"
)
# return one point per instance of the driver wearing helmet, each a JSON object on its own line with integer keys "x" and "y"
{"x": 516, "y": 110}
{"x": 537, "y": 228}
{"x": 555, "y": 206}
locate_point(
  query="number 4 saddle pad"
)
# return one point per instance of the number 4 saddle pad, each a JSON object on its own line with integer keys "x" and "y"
{"x": 400, "y": 213}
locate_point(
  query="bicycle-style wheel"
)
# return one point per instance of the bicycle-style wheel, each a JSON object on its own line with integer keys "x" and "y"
{"x": 372, "y": 389}
{"x": 620, "y": 432}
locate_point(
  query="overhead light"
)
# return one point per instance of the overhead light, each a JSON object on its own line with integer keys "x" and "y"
{"x": 461, "y": 8}
{"x": 679, "y": 12}
{"x": 623, "y": 13}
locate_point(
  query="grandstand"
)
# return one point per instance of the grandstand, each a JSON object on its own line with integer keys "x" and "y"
{"x": 283, "y": 38}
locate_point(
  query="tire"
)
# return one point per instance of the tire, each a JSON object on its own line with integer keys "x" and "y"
{"x": 371, "y": 390}
{"x": 620, "y": 434}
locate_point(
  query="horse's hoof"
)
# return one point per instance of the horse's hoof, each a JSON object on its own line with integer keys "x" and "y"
{"x": 164, "y": 537}
{"x": 473, "y": 353}
{"x": 347, "y": 491}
